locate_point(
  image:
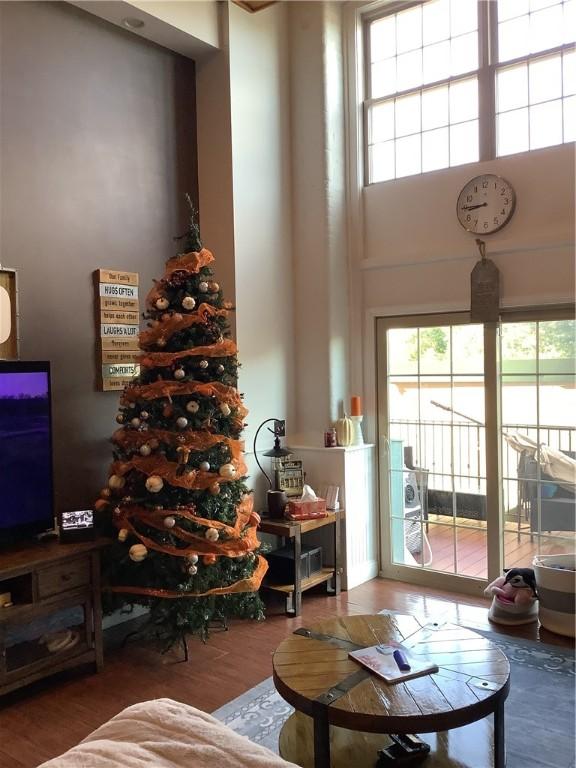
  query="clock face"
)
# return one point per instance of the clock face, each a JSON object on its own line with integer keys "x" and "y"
{"x": 485, "y": 204}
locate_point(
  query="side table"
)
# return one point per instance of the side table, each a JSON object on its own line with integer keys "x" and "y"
{"x": 292, "y": 530}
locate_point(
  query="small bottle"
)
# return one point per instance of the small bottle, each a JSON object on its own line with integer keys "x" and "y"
{"x": 330, "y": 440}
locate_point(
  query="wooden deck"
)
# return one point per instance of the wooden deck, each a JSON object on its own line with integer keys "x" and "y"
{"x": 470, "y": 539}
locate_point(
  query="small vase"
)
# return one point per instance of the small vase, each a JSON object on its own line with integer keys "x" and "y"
{"x": 357, "y": 438}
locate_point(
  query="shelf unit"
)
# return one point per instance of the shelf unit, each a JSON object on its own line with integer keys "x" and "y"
{"x": 292, "y": 531}
{"x": 55, "y": 588}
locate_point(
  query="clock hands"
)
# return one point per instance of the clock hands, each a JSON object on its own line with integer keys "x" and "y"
{"x": 473, "y": 207}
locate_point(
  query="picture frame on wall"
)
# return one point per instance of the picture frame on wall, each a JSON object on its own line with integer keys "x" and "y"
{"x": 9, "y": 347}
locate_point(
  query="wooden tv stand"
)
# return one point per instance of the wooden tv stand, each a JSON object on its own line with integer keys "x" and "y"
{"x": 54, "y": 587}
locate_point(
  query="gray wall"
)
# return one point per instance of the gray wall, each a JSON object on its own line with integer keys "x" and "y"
{"x": 97, "y": 146}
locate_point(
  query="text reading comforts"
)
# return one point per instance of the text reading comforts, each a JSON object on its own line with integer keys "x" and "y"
{"x": 119, "y": 329}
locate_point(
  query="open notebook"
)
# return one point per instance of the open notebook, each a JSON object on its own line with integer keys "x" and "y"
{"x": 380, "y": 660}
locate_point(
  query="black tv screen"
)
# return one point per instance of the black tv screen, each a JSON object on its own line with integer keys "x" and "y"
{"x": 27, "y": 505}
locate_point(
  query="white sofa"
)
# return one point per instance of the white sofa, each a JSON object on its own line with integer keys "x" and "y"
{"x": 166, "y": 734}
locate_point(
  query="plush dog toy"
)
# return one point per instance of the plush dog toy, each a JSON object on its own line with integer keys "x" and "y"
{"x": 514, "y": 597}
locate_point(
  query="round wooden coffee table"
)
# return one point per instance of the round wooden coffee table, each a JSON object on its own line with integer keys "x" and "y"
{"x": 312, "y": 671}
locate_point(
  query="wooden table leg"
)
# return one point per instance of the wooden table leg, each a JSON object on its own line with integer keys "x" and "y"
{"x": 499, "y": 744}
{"x": 295, "y": 607}
{"x": 321, "y": 739}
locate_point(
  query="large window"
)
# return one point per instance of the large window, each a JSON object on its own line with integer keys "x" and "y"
{"x": 450, "y": 82}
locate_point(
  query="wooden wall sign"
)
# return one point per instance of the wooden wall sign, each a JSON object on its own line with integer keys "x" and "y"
{"x": 118, "y": 327}
{"x": 8, "y": 315}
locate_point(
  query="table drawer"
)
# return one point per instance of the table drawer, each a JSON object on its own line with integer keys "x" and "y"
{"x": 62, "y": 577}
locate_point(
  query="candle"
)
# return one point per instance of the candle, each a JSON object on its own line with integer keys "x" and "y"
{"x": 355, "y": 406}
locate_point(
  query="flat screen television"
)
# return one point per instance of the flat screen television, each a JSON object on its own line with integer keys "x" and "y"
{"x": 26, "y": 483}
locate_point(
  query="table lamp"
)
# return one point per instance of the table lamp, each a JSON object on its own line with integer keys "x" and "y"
{"x": 276, "y": 499}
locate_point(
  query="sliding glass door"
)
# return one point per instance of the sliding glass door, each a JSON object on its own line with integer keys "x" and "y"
{"x": 463, "y": 491}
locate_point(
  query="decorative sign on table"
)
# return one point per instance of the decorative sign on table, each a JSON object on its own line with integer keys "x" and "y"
{"x": 119, "y": 326}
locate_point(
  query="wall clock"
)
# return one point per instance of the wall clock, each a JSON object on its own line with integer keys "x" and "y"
{"x": 485, "y": 204}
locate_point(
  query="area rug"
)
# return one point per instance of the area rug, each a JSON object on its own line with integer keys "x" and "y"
{"x": 539, "y": 709}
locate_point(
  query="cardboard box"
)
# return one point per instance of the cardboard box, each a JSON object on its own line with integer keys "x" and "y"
{"x": 306, "y": 510}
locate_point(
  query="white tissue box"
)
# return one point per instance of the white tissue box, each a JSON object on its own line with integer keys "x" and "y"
{"x": 305, "y": 510}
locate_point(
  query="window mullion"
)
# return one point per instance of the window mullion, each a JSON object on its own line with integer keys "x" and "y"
{"x": 487, "y": 42}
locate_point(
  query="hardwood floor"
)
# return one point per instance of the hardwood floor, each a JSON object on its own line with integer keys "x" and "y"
{"x": 471, "y": 545}
{"x": 46, "y": 719}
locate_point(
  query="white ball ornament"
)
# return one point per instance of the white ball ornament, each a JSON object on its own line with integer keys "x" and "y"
{"x": 205, "y": 466}
{"x": 145, "y": 450}
{"x": 122, "y": 534}
{"x": 220, "y": 369}
{"x": 154, "y": 484}
{"x": 212, "y": 534}
{"x": 192, "y": 406}
{"x": 227, "y": 471}
{"x": 137, "y": 552}
{"x": 162, "y": 303}
{"x": 193, "y": 559}
{"x": 182, "y": 422}
{"x": 203, "y": 287}
{"x": 192, "y": 570}
{"x": 225, "y": 409}
{"x": 179, "y": 373}
{"x": 135, "y": 422}
{"x": 188, "y": 302}
{"x": 203, "y": 364}
{"x": 116, "y": 482}
{"x": 169, "y": 522}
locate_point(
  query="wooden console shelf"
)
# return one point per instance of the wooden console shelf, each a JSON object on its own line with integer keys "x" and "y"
{"x": 55, "y": 621}
{"x": 292, "y": 530}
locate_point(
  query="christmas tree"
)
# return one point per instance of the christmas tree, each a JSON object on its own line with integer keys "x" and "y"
{"x": 176, "y": 496}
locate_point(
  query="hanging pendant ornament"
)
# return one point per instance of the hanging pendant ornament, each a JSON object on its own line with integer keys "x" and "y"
{"x": 144, "y": 415}
{"x": 182, "y": 422}
{"x": 135, "y": 422}
{"x": 179, "y": 373}
{"x": 169, "y": 522}
{"x": 203, "y": 364}
{"x": 154, "y": 484}
{"x": 192, "y": 406}
{"x": 145, "y": 450}
{"x": 227, "y": 471}
{"x": 122, "y": 534}
{"x": 212, "y": 534}
{"x": 137, "y": 552}
{"x": 203, "y": 287}
{"x": 120, "y": 418}
{"x": 205, "y": 466}
{"x": 225, "y": 409}
{"x": 188, "y": 302}
{"x": 192, "y": 559}
{"x": 116, "y": 482}
{"x": 192, "y": 570}
{"x": 484, "y": 289}
{"x": 213, "y": 287}
{"x": 162, "y": 303}
{"x": 220, "y": 369}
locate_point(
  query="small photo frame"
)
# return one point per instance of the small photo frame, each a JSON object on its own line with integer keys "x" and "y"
{"x": 77, "y": 525}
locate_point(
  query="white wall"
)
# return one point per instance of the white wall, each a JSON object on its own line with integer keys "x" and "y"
{"x": 259, "y": 87}
{"x": 417, "y": 254}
